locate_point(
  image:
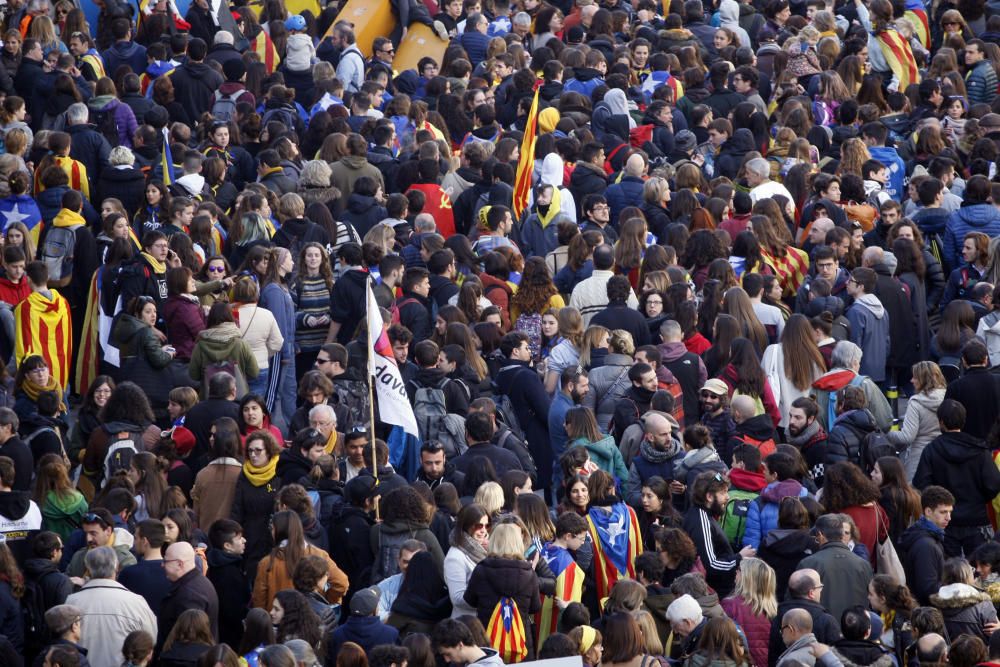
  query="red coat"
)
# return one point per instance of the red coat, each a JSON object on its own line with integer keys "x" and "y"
{"x": 864, "y": 519}
{"x": 14, "y": 293}
{"x": 730, "y": 377}
{"x": 756, "y": 627}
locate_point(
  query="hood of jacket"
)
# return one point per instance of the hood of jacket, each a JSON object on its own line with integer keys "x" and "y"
{"x": 552, "y": 170}
{"x": 219, "y": 558}
{"x": 775, "y": 491}
{"x": 584, "y": 74}
{"x": 68, "y": 218}
{"x": 354, "y": 162}
{"x": 871, "y": 302}
{"x": 959, "y": 448}
{"x": 857, "y": 420}
{"x": 788, "y": 541}
{"x": 198, "y": 71}
{"x": 729, "y": 11}
{"x": 920, "y": 529}
{"x": 616, "y": 101}
{"x": 834, "y": 380}
{"x": 429, "y": 377}
{"x": 741, "y": 141}
{"x": 760, "y": 427}
{"x": 862, "y": 652}
{"x": 672, "y": 351}
{"x": 36, "y": 568}
{"x": 193, "y": 183}
{"x": 746, "y": 480}
{"x": 125, "y": 49}
{"x": 834, "y": 304}
{"x": 978, "y": 215}
{"x": 128, "y": 327}
{"x": 220, "y": 339}
{"x": 360, "y": 204}
{"x": 402, "y": 526}
{"x": 61, "y": 506}
{"x": 957, "y": 596}
{"x": 929, "y": 401}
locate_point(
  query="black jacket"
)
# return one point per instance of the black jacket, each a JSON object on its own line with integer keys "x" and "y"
{"x": 620, "y": 316}
{"x": 347, "y": 303}
{"x": 844, "y": 441}
{"x": 350, "y": 546}
{"x": 760, "y": 427}
{"x": 732, "y": 152}
{"x": 252, "y": 509}
{"x": 716, "y": 554}
{"x": 415, "y": 315}
{"x": 505, "y": 438}
{"x": 194, "y": 87}
{"x": 451, "y": 475}
{"x": 586, "y": 179}
{"x": 227, "y": 574}
{"x": 964, "y": 465}
{"x": 191, "y": 591}
{"x": 782, "y": 549}
{"x": 531, "y": 404}
{"x": 722, "y": 101}
{"x": 921, "y": 549}
{"x": 979, "y": 391}
{"x": 140, "y": 106}
{"x": 126, "y": 185}
{"x": 89, "y": 147}
{"x": 24, "y": 462}
{"x": 895, "y": 300}
{"x": 363, "y": 212}
{"x": 502, "y": 459}
{"x": 825, "y": 627}
{"x": 494, "y": 578}
{"x": 442, "y": 289}
{"x": 292, "y": 466}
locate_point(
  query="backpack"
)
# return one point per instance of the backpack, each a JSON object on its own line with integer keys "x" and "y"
{"x": 48, "y": 429}
{"x": 734, "y": 521}
{"x": 765, "y": 447}
{"x": 107, "y": 126}
{"x": 434, "y": 421}
{"x": 506, "y": 632}
{"x": 57, "y": 252}
{"x": 387, "y": 555}
{"x": 831, "y": 403}
{"x": 225, "y": 366}
{"x": 874, "y": 446}
{"x": 36, "y": 631}
{"x": 281, "y": 114}
{"x": 353, "y": 395}
{"x": 122, "y": 447}
{"x": 506, "y": 414}
{"x": 224, "y": 108}
{"x": 531, "y": 324}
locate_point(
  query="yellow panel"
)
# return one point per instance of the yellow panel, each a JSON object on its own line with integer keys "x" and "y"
{"x": 371, "y": 19}
{"x": 420, "y": 41}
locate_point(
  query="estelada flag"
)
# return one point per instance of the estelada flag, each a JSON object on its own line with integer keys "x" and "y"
{"x": 569, "y": 588}
{"x": 506, "y": 632}
{"x": 617, "y": 543}
{"x": 43, "y": 327}
{"x": 262, "y": 45}
{"x": 526, "y": 160}
{"x": 898, "y": 54}
{"x": 438, "y": 204}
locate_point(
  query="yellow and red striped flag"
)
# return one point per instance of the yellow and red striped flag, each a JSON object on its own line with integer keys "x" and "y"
{"x": 43, "y": 327}
{"x": 898, "y": 54}
{"x": 264, "y": 47}
{"x": 569, "y": 588}
{"x": 526, "y": 161}
{"x": 617, "y": 543}
{"x": 506, "y": 632}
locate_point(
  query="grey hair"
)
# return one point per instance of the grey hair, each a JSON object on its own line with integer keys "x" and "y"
{"x": 121, "y": 156}
{"x": 303, "y": 652}
{"x": 277, "y": 655}
{"x": 831, "y": 526}
{"x": 322, "y": 408}
{"x": 77, "y": 113}
{"x": 846, "y": 355}
{"x": 522, "y": 18}
{"x": 759, "y": 166}
{"x": 316, "y": 173}
{"x": 102, "y": 563}
{"x": 9, "y": 418}
{"x": 425, "y": 223}
{"x": 670, "y": 329}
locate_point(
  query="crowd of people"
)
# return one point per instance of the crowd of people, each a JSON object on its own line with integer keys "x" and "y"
{"x": 696, "y": 306}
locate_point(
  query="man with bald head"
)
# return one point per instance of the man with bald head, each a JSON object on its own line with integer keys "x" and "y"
{"x": 658, "y": 453}
{"x": 804, "y": 591}
{"x": 190, "y": 589}
{"x": 932, "y": 649}
{"x": 628, "y": 190}
{"x": 817, "y": 233}
{"x": 750, "y": 428}
{"x": 797, "y": 635}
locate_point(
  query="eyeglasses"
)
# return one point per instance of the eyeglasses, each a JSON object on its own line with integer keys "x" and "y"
{"x": 785, "y": 627}
{"x": 601, "y": 207}
{"x": 160, "y": 246}
{"x": 39, "y": 371}
{"x": 655, "y": 302}
{"x": 170, "y": 560}
{"x": 483, "y": 524}
{"x": 253, "y": 451}
{"x": 387, "y": 51}
{"x": 216, "y": 269}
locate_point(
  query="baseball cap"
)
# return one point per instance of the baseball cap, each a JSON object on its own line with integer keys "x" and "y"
{"x": 365, "y": 601}
{"x": 295, "y": 22}
{"x": 716, "y": 386}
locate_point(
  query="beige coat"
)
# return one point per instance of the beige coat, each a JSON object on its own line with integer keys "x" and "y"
{"x": 260, "y": 331}
{"x": 214, "y": 490}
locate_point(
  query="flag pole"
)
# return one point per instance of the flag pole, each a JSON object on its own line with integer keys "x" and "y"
{"x": 371, "y": 401}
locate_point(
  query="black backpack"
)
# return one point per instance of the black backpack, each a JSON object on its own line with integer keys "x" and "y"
{"x": 36, "y": 630}
{"x": 107, "y": 126}
{"x": 874, "y": 446}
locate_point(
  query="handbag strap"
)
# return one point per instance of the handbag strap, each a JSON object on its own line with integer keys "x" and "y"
{"x": 878, "y": 524}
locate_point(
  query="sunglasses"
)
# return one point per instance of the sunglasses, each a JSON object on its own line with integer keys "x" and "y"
{"x": 216, "y": 269}
{"x": 90, "y": 517}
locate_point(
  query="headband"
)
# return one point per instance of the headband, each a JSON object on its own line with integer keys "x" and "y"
{"x": 587, "y": 638}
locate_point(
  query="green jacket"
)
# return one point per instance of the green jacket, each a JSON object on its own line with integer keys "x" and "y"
{"x": 222, "y": 343}
{"x": 136, "y": 338}
{"x": 606, "y": 456}
{"x": 62, "y": 515}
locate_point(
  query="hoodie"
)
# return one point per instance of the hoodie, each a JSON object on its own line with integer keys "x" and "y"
{"x": 20, "y": 520}
{"x": 870, "y": 332}
{"x": 762, "y": 516}
{"x": 62, "y": 514}
{"x": 220, "y": 344}
{"x": 983, "y": 218}
{"x": 963, "y": 464}
{"x": 124, "y": 117}
{"x": 733, "y": 150}
{"x": 921, "y": 549}
{"x": 729, "y": 17}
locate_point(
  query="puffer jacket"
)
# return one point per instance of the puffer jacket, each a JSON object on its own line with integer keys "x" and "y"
{"x": 606, "y": 456}
{"x": 983, "y": 218}
{"x": 495, "y": 578}
{"x": 920, "y": 427}
{"x": 965, "y": 609}
{"x": 849, "y": 430}
{"x": 782, "y": 549}
{"x": 607, "y": 386}
{"x": 989, "y": 330}
{"x": 363, "y": 213}
{"x": 756, "y": 627}
{"x": 762, "y": 515}
{"x": 122, "y": 113}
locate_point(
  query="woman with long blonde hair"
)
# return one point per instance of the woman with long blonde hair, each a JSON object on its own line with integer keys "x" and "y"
{"x": 793, "y": 364}
{"x": 569, "y": 351}
{"x": 853, "y": 155}
{"x": 753, "y": 605}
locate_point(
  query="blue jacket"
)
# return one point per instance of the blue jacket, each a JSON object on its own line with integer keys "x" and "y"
{"x": 762, "y": 515}
{"x": 366, "y": 631}
{"x": 897, "y": 168}
{"x": 870, "y": 331}
{"x": 536, "y": 240}
{"x": 474, "y": 43}
{"x": 626, "y": 192}
{"x": 561, "y": 404}
{"x": 983, "y": 218}
{"x": 125, "y": 53}
{"x": 981, "y": 83}
{"x": 279, "y": 302}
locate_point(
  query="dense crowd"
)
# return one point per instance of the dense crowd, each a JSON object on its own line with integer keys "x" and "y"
{"x": 695, "y": 307}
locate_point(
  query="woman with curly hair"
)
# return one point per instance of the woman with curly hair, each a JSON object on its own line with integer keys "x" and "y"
{"x": 294, "y": 618}
{"x": 894, "y": 603}
{"x": 535, "y": 295}
{"x": 703, "y": 246}
{"x": 403, "y": 512}
{"x": 847, "y": 490}
{"x": 127, "y": 409}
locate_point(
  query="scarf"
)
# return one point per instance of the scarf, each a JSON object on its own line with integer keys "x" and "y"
{"x": 33, "y": 390}
{"x": 157, "y": 265}
{"x": 470, "y": 547}
{"x": 331, "y": 444}
{"x": 805, "y": 436}
{"x": 262, "y": 475}
{"x": 694, "y": 458}
{"x": 555, "y": 206}
{"x": 654, "y": 455}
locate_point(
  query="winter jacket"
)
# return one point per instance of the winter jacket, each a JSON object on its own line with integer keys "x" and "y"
{"x": 621, "y": 316}
{"x": 988, "y": 329}
{"x": 979, "y": 391}
{"x": 366, "y": 631}
{"x": 762, "y": 515}
{"x": 828, "y": 384}
{"x": 921, "y": 550}
{"x": 110, "y": 613}
{"x": 590, "y": 296}
{"x": 981, "y": 83}
{"x": 963, "y": 464}
{"x": 586, "y": 179}
{"x": 347, "y": 302}
{"x": 783, "y": 549}
{"x": 214, "y": 490}
{"x": 259, "y": 330}
{"x": 273, "y": 576}
{"x": 191, "y": 591}
{"x": 863, "y": 653}
{"x": 607, "y": 386}
{"x": 537, "y": 238}
{"x": 870, "y": 331}
{"x": 136, "y": 339}
{"x": 63, "y": 514}
{"x": 185, "y": 320}
{"x": 844, "y": 574}
{"x": 606, "y": 456}
{"x": 983, "y": 218}
{"x": 920, "y": 427}
{"x": 194, "y": 87}
{"x": 350, "y": 545}
{"x": 126, "y": 184}
{"x": 385, "y": 539}
{"x": 530, "y": 402}
{"x": 756, "y": 627}
{"x": 363, "y": 212}
{"x": 733, "y": 151}
{"x": 252, "y": 508}
{"x": 123, "y": 117}
{"x": 219, "y": 344}
{"x": 759, "y": 428}
{"x": 845, "y": 439}
{"x": 494, "y": 578}
{"x": 226, "y": 572}
{"x": 965, "y": 609}
{"x": 349, "y": 169}
{"x": 714, "y": 550}
{"x": 626, "y": 192}
{"x": 125, "y": 52}
{"x": 786, "y": 392}
{"x": 826, "y": 628}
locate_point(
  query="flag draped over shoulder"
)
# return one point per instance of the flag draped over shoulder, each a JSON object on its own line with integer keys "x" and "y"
{"x": 617, "y": 543}
{"x": 569, "y": 588}
{"x": 390, "y": 390}
{"x": 898, "y": 54}
{"x": 506, "y": 632}
{"x": 526, "y": 161}
{"x": 167, "y": 159}
{"x": 42, "y": 326}
{"x": 262, "y": 45}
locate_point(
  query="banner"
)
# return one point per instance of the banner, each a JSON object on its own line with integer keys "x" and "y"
{"x": 390, "y": 391}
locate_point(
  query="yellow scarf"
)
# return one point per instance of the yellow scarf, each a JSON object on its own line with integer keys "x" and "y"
{"x": 158, "y": 266}
{"x": 262, "y": 475}
{"x": 33, "y": 389}
{"x": 331, "y": 443}
{"x": 555, "y": 207}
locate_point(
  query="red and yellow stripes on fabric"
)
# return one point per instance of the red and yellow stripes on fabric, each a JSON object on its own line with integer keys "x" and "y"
{"x": 75, "y": 171}
{"x": 506, "y": 632}
{"x": 605, "y": 572}
{"x": 526, "y": 161}
{"x": 88, "y": 360}
{"x": 43, "y": 327}
{"x": 569, "y": 588}
{"x": 264, "y": 47}
{"x": 918, "y": 17}
{"x": 898, "y": 54}
{"x": 791, "y": 270}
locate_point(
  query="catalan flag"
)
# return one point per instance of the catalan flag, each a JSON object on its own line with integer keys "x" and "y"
{"x": 617, "y": 543}
{"x": 262, "y": 45}
{"x": 569, "y": 588}
{"x": 506, "y": 632}
{"x": 526, "y": 161}
{"x": 75, "y": 170}
{"x": 167, "y": 159}
{"x": 898, "y": 54}
{"x": 43, "y": 327}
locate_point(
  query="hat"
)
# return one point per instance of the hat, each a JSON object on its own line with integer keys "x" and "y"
{"x": 356, "y": 491}
{"x": 365, "y": 601}
{"x": 295, "y": 22}
{"x": 62, "y": 617}
{"x": 685, "y": 141}
{"x": 547, "y": 119}
{"x": 184, "y": 441}
{"x": 234, "y": 69}
{"x": 223, "y": 37}
{"x": 990, "y": 120}
{"x": 575, "y": 35}
{"x": 387, "y": 484}
{"x": 716, "y": 386}
{"x": 157, "y": 117}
